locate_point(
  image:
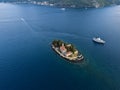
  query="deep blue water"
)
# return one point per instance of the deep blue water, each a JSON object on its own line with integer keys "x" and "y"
{"x": 27, "y": 61}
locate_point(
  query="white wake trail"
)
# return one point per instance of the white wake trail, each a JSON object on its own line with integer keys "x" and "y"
{"x": 26, "y": 23}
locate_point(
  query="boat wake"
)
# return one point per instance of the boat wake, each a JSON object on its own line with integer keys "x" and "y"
{"x": 26, "y": 23}
{"x": 52, "y": 31}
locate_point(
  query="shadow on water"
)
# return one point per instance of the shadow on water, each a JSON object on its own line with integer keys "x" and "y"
{"x": 90, "y": 70}
{"x": 96, "y": 73}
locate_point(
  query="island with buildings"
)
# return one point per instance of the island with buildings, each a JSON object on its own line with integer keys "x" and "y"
{"x": 67, "y": 51}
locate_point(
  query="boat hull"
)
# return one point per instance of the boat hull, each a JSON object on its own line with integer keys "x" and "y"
{"x": 99, "y": 42}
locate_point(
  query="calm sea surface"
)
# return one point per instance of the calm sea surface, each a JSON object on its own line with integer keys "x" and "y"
{"x": 27, "y": 61}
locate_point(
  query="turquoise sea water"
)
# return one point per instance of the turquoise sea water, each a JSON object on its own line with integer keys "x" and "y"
{"x": 27, "y": 61}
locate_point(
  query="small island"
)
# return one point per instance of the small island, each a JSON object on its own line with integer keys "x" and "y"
{"x": 67, "y": 51}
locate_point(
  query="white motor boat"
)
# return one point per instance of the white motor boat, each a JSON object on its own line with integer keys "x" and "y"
{"x": 63, "y": 9}
{"x": 98, "y": 40}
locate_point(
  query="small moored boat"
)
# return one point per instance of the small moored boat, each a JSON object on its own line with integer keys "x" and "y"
{"x": 98, "y": 40}
{"x": 63, "y": 9}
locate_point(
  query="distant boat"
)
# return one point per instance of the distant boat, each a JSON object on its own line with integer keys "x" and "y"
{"x": 63, "y": 9}
{"x": 98, "y": 40}
{"x": 22, "y": 19}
